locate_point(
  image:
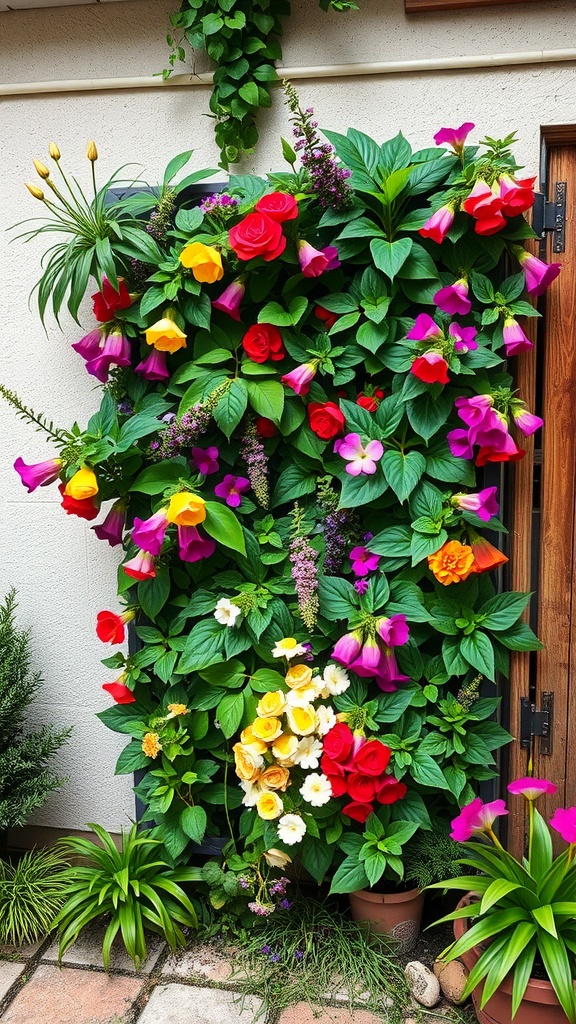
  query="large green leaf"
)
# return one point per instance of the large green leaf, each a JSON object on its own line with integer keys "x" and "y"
{"x": 403, "y": 471}
{"x": 338, "y": 599}
{"x": 389, "y": 257}
{"x": 267, "y": 399}
{"x": 204, "y": 646}
{"x": 478, "y": 651}
{"x": 223, "y": 526}
{"x": 349, "y": 877}
{"x": 231, "y": 407}
{"x": 193, "y": 821}
{"x": 229, "y": 713}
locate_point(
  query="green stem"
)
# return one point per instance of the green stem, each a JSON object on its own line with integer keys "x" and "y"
{"x": 226, "y": 808}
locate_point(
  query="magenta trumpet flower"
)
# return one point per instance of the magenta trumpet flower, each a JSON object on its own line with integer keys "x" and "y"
{"x": 526, "y": 422}
{"x": 476, "y": 817}
{"x": 205, "y": 460}
{"x": 300, "y": 378}
{"x": 424, "y": 329}
{"x": 483, "y": 503}
{"x": 112, "y": 529}
{"x": 538, "y": 275}
{"x": 453, "y": 299}
{"x": 115, "y": 351}
{"x": 438, "y": 225}
{"x": 347, "y": 648}
{"x": 360, "y": 458}
{"x": 90, "y": 345}
{"x": 148, "y": 534}
{"x": 314, "y": 262}
{"x": 393, "y": 631}
{"x": 564, "y": 822}
{"x": 515, "y": 341}
{"x": 192, "y": 546}
{"x": 363, "y": 561}
{"x": 389, "y": 675}
{"x": 39, "y": 474}
{"x": 230, "y": 300}
{"x": 455, "y": 137}
{"x": 141, "y": 567}
{"x": 464, "y": 338}
{"x": 153, "y": 367}
{"x": 531, "y": 788}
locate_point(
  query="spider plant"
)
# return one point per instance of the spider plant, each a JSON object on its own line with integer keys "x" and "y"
{"x": 32, "y": 892}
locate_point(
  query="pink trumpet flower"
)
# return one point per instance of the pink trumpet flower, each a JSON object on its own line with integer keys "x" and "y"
{"x": 515, "y": 341}
{"x": 192, "y": 546}
{"x": 141, "y": 567}
{"x": 314, "y": 262}
{"x": 483, "y": 201}
{"x": 516, "y": 196}
{"x": 526, "y": 422}
{"x": 360, "y": 458}
{"x": 112, "y": 529}
{"x": 230, "y": 300}
{"x": 455, "y": 137}
{"x": 148, "y": 534}
{"x": 347, "y": 648}
{"x": 90, "y": 345}
{"x": 153, "y": 367}
{"x": 394, "y": 631}
{"x": 453, "y": 299}
{"x": 438, "y": 225}
{"x": 538, "y": 275}
{"x": 39, "y": 474}
{"x": 464, "y": 338}
{"x": 483, "y": 503}
{"x": 300, "y": 378}
{"x": 531, "y": 788}
{"x": 115, "y": 351}
{"x": 564, "y": 822}
{"x": 476, "y": 817}
{"x": 424, "y": 329}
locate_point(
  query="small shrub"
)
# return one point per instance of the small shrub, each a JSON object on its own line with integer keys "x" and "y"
{"x": 431, "y": 857}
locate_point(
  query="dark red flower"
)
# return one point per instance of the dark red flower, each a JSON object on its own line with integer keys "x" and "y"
{"x": 325, "y": 315}
{"x": 361, "y": 788}
{"x": 108, "y": 301}
{"x": 326, "y": 419}
{"x": 265, "y": 427}
{"x": 358, "y": 811}
{"x": 372, "y": 758}
{"x": 263, "y": 342}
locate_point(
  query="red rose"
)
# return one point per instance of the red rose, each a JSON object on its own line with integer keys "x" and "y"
{"x": 279, "y": 206}
{"x": 265, "y": 427}
{"x": 325, "y": 419}
{"x": 358, "y": 811}
{"x": 326, "y": 316}
{"x": 390, "y": 790}
{"x": 263, "y": 342}
{"x": 257, "y": 235}
{"x": 330, "y": 767}
{"x": 110, "y": 628}
{"x": 83, "y": 507}
{"x": 109, "y": 301}
{"x": 361, "y": 788}
{"x": 372, "y": 758}
{"x": 338, "y": 742}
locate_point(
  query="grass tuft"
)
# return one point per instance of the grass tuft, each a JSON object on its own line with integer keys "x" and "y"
{"x": 32, "y": 892}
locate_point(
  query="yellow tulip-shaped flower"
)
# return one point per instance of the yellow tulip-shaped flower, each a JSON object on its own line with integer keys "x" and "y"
{"x": 204, "y": 261}
{"x": 269, "y": 806}
{"x": 186, "y": 509}
{"x": 165, "y": 336}
{"x": 82, "y": 485}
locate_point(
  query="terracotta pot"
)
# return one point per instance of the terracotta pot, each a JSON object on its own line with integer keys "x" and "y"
{"x": 397, "y": 914}
{"x": 539, "y": 1005}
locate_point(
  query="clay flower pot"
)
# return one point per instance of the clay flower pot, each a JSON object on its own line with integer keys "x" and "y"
{"x": 539, "y": 1004}
{"x": 397, "y": 914}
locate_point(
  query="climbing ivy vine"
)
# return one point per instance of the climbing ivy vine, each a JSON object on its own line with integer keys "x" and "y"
{"x": 242, "y": 38}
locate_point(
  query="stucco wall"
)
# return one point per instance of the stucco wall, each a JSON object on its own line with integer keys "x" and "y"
{"x": 63, "y": 574}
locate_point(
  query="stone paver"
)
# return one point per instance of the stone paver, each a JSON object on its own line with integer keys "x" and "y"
{"x": 22, "y": 952}
{"x": 201, "y": 961}
{"x": 9, "y": 972}
{"x": 183, "y": 1004}
{"x": 70, "y": 996}
{"x": 88, "y": 950}
{"x": 302, "y": 1013}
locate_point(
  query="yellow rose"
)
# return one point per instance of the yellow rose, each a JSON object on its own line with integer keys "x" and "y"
{"x": 271, "y": 704}
{"x": 267, "y": 729}
{"x": 269, "y": 806}
{"x": 166, "y": 336}
{"x": 275, "y": 777}
{"x": 284, "y": 747}
{"x": 248, "y": 739}
{"x": 298, "y": 675}
{"x": 204, "y": 261}
{"x": 302, "y": 721}
{"x": 82, "y": 485}
{"x": 186, "y": 509}
{"x": 247, "y": 763}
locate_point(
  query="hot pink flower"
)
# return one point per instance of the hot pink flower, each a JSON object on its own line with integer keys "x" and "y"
{"x": 347, "y": 648}
{"x": 431, "y": 368}
{"x": 193, "y": 546}
{"x": 314, "y": 262}
{"x": 424, "y": 328}
{"x": 205, "y": 460}
{"x": 464, "y": 338}
{"x": 516, "y": 196}
{"x": 455, "y": 137}
{"x": 483, "y": 503}
{"x": 89, "y": 346}
{"x": 300, "y": 378}
{"x": 564, "y": 822}
{"x": 39, "y": 474}
{"x": 526, "y": 422}
{"x": 148, "y": 534}
{"x": 368, "y": 659}
{"x": 112, "y": 528}
{"x": 438, "y": 225}
{"x": 141, "y": 567}
{"x": 230, "y": 300}
{"x": 531, "y": 788}
{"x": 232, "y": 488}
{"x": 394, "y": 631}
{"x": 153, "y": 367}
{"x": 453, "y": 299}
{"x": 460, "y": 444}
{"x": 388, "y": 674}
{"x": 363, "y": 561}
{"x": 538, "y": 275}
{"x": 476, "y": 817}
{"x": 360, "y": 458}
{"x": 115, "y": 351}
{"x": 515, "y": 341}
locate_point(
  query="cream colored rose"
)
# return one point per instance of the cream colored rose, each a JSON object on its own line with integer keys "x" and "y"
{"x": 269, "y": 806}
{"x": 284, "y": 748}
{"x": 267, "y": 729}
{"x": 248, "y": 739}
{"x": 298, "y": 675}
{"x": 275, "y": 777}
{"x": 277, "y": 858}
{"x": 247, "y": 762}
{"x": 302, "y": 721}
{"x": 271, "y": 705}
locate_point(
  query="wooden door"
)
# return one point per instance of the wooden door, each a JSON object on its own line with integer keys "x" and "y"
{"x": 544, "y": 511}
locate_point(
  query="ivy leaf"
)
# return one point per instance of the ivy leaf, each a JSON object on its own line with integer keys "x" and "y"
{"x": 403, "y": 471}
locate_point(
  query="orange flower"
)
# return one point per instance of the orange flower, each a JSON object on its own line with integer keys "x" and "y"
{"x": 151, "y": 744}
{"x": 452, "y": 563}
{"x": 486, "y": 556}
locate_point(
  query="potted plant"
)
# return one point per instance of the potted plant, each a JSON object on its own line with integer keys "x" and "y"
{"x": 517, "y": 920}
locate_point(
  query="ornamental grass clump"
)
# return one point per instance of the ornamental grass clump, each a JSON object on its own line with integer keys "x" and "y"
{"x": 289, "y": 459}
{"x": 32, "y": 891}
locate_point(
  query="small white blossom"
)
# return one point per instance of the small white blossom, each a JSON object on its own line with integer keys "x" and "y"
{"x": 317, "y": 790}
{"x": 336, "y": 680}
{"x": 301, "y": 697}
{"x": 308, "y": 753}
{"x": 226, "y": 613}
{"x": 288, "y": 648}
{"x": 291, "y": 829}
{"x": 251, "y": 793}
{"x": 326, "y": 719}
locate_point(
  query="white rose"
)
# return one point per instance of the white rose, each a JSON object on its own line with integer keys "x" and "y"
{"x": 336, "y": 679}
{"x": 291, "y": 829}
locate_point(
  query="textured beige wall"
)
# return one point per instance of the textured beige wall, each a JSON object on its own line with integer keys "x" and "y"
{"x": 64, "y": 575}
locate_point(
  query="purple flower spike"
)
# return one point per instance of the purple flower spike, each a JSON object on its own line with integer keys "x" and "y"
{"x": 232, "y": 488}
{"x": 39, "y": 474}
{"x": 205, "y": 460}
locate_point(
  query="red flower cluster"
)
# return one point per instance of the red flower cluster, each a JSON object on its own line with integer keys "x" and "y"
{"x": 371, "y": 400}
{"x": 490, "y": 206}
{"x": 108, "y": 301}
{"x": 356, "y": 767}
{"x": 260, "y": 233}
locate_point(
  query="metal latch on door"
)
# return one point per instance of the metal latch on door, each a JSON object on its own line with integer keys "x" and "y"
{"x": 550, "y": 215}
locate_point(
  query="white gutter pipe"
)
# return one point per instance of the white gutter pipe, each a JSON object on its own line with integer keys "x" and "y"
{"x": 490, "y": 60}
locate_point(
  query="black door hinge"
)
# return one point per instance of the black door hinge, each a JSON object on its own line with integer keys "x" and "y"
{"x": 550, "y": 215}
{"x": 534, "y": 722}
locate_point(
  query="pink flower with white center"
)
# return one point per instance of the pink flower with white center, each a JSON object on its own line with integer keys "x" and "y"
{"x": 516, "y": 196}
{"x": 112, "y": 529}
{"x": 360, "y": 458}
{"x": 431, "y": 368}
{"x": 115, "y": 351}
{"x": 476, "y": 817}
{"x": 526, "y": 422}
{"x": 483, "y": 503}
{"x": 483, "y": 201}
{"x": 299, "y": 380}
{"x": 89, "y": 346}
{"x": 564, "y": 822}
{"x": 453, "y": 299}
{"x": 347, "y": 648}
{"x": 232, "y": 488}
{"x": 531, "y": 788}
{"x": 515, "y": 341}
{"x": 363, "y": 561}
{"x": 205, "y": 460}
{"x": 394, "y": 631}
{"x": 39, "y": 474}
{"x": 455, "y": 137}
{"x": 424, "y": 329}
{"x": 438, "y": 225}
{"x": 141, "y": 567}
{"x": 192, "y": 546}
{"x": 538, "y": 275}
{"x": 153, "y": 367}
{"x": 464, "y": 338}
{"x": 230, "y": 300}
{"x": 148, "y": 534}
